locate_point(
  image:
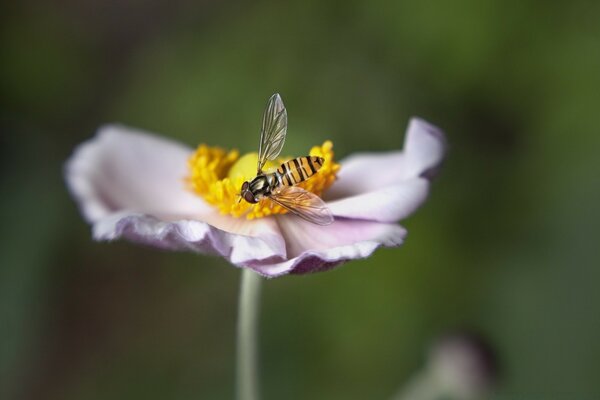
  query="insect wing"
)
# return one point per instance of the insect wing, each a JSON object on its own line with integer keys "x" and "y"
{"x": 274, "y": 128}
{"x": 304, "y": 204}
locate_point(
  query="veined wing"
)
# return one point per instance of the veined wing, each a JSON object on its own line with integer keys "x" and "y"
{"x": 274, "y": 127}
{"x": 304, "y": 204}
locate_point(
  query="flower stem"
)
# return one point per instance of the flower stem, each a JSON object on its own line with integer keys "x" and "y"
{"x": 247, "y": 341}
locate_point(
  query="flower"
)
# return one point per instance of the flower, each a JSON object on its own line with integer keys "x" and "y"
{"x": 144, "y": 188}
{"x": 463, "y": 365}
{"x": 460, "y": 365}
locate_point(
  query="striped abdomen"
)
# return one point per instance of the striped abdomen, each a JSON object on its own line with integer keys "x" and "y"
{"x": 299, "y": 169}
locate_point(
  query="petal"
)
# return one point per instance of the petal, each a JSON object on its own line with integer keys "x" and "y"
{"x": 245, "y": 242}
{"x": 424, "y": 147}
{"x": 388, "y": 187}
{"x": 313, "y": 248}
{"x": 390, "y": 204}
{"x": 125, "y": 169}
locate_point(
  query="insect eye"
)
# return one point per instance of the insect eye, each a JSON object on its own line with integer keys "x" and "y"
{"x": 245, "y": 186}
{"x": 249, "y": 197}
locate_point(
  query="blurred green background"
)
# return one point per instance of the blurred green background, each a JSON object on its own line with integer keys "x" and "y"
{"x": 507, "y": 244}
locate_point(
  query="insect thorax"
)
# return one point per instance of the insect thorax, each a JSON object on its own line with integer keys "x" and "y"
{"x": 263, "y": 185}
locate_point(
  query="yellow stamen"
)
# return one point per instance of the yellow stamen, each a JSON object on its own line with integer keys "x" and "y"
{"x": 217, "y": 175}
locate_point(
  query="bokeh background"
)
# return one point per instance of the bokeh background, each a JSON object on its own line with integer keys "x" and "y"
{"x": 506, "y": 246}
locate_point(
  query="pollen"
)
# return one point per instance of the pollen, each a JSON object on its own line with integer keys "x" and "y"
{"x": 217, "y": 176}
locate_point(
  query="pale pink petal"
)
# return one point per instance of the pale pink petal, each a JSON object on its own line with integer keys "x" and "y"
{"x": 313, "y": 248}
{"x": 247, "y": 242}
{"x": 388, "y": 204}
{"x": 388, "y": 187}
{"x": 126, "y": 169}
{"x": 424, "y": 147}
{"x": 365, "y": 172}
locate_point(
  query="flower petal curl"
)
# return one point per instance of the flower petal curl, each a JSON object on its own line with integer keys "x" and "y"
{"x": 388, "y": 187}
{"x": 313, "y": 248}
{"x": 424, "y": 147}
{"x": 262, "y": 244}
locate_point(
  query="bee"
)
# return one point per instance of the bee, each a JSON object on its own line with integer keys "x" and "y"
{"x": 280, "y": 186}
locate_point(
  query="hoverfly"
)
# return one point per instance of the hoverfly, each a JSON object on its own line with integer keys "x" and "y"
{"x": 279, "y": 186}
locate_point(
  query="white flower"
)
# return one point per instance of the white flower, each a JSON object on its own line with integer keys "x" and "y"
{"x": 134, "y": 185}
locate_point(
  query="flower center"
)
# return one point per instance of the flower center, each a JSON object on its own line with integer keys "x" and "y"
{"x": 217, "y": 175}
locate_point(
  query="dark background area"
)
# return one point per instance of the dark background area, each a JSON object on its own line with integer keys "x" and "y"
{"x": 507, "y": 244}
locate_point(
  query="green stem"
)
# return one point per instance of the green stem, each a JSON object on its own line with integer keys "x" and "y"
{"x": 247, "y": 341}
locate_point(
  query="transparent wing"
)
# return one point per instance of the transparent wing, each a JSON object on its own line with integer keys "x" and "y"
{"x": 304, "y": 204}
{"x": 274, "y": 127}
